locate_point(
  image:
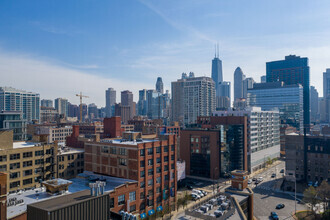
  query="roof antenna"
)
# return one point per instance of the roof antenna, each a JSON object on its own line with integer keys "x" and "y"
{"x": 218, "y": 49}
{"x": 215, "y": 51}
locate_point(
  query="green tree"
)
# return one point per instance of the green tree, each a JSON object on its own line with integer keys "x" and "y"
{"x": 324, "y": 194}
{"x": 269, "y": 161}
{"x": 311, "y": 197}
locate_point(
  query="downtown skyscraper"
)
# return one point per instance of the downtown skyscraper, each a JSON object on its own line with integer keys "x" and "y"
{"x": 292, "y": 70}
{"x": 217, "y": 72}
{"x": 110, "y": 101}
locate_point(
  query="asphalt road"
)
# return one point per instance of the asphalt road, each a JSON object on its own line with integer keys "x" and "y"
{"x": 266, "y": 198}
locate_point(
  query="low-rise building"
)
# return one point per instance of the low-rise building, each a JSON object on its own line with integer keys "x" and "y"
{"x": 48, "y": 114}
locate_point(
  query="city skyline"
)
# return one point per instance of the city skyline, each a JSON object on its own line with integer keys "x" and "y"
{"x": 81, "y": 53}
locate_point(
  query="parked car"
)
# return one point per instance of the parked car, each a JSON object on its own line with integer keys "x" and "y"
{"x": 249, "y": 181}
{"x": 310, "y": 183}
{"x": 316, "y": 184}
{"x": 280, "y": 206}
{"x": 254, "y": 178}
{"x": 274, "y": 215}
{"x": 205, "y": 193}
{"x": 260, "y": 179}
{"x": 282, "y": 171}
{"x": 273, "y": 175}
{"x": 195, "y": 196}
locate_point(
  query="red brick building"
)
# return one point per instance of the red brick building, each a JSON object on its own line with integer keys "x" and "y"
{"x": 151, "y": 162}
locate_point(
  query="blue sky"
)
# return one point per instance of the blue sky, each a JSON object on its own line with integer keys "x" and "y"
{"x": 59, "y": 48}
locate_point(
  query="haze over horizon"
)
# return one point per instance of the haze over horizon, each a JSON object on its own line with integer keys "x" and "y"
{"x": 60, "y": 48}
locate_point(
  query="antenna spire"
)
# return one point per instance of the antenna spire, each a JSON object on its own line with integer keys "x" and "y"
{"x": 215, "y": 51}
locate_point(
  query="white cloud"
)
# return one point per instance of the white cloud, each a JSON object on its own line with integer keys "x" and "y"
{"x": 23, "y": 71}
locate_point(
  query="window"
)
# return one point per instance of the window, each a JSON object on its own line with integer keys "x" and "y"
{"x": 121, "y": 200}
{"x": 27, "y": 172}
{"x": 166, "y": 168}
{"x": 15, "y": 166}
{"x": 150, "y": 192}
{"x": 3, "y": 158}
{"x": 122, "y": 162}
{"x": 142, "y": 152}
{"x": 158, "y": 169}
{"x": 172, "y": 166}
{"x": 172, "y": 157}
{"x": 27, "y": 154}
{"x": 150, "y": 202}
{"x": 150, "y": 151}
{"x": 158, "y": 190}
{"x": 166, "y": 149}
{"x": 122, "y": 151}
{"x": 3, "y": 168}
{"x": 142, "y": 163}
{"x": 112, "y": 202}
{"x": 166, "y": 159}
{"x": 39, "y": 153}
{"x": 132, "y": 208}
{"x": 150, "y": 162}
{"x": 14, "y": 175}
{"x": 142, "y": 173}
{"x": 142, "y": 184}
{"x": 166, "y": 177}
{"x": 105, "y": 149}
{"x": 150, "y": 172}
{"x": 27, "y": 163}
{"x": 15, "y": 156}
{"x": 132, "y": 196}
{"x": 158, "y": 160}
{"x": 159, "y": 180}
{"x": 172, "y": 148}
{"x": 38, "y": 170}
{"x": 158, "y": 150}
{"x": 142, "y": 195}
{"x": 112, "y": 150}
{"x": 14, "y": 184}
{"x": 27, "y": 181}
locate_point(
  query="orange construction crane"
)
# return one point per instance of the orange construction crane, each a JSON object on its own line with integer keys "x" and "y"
{"x": 81, "y": 96}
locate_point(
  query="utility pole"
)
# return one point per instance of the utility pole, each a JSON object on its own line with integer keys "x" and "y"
{"x": 81, "y": 96}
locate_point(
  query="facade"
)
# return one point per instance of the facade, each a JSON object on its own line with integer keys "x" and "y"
{"x": 307, "y": 158}
{"x": 238, "y": 83}
{"x": 288, "y": 99}
{"x": 314, "y": 104}
{"x": 70, "y": 162}
{"x": 93, "y": 112}
{"x": 73, "y": 110}
{"x": 219, "y": 143}
{"x": 142, "y": 103}
{"x": 54, "y": 133}
{"x": 13, "y": 120}
{"x": 160, "y": 85}
{"x": 127, "y": 101}
{"x": 263, "y": 79}
{"x": 19, "y": 100}
{"x": 247, "y": 84}
{"x": 61, "y": 105}
{"x": 263, "y": 134}
{"x": 47, "y": 103}
{"x": 157, "y": 104}
{"x": 110, "y": 101}
{"x": 326, "y": 83}
{"x": 192, "y": 97}
{"x": 292, "y": 70}
{"x": 150, "y": 162}
{"x": 48, "y": 114}
{"x": 217, "y": 73}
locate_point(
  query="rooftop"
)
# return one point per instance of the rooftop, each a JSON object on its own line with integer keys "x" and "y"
{"x": 81, "y": 183}
{"x": 23, "y": 144}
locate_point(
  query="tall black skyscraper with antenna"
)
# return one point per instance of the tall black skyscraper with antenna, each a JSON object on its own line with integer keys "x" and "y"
{"x": 217, "y": 70}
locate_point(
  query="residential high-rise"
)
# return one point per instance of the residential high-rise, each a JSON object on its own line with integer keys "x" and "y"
{"x": 14, "y": 120}
{"x": 292, "y": 70}
{"x": 19, "y": 100}
{"x": 93, "y": 112}
{"x": 326, "y": 83}
{"x": 127, "y": 101}
{"x": 191, "y": 97}
{"x": 238, "y": 83}
{"x": 110, "y": 101}
{"x": 314, "y": 104}
{"x": 217, "y": 72}
{"x": 288, "y": 99}
{"x": 73, "y": 110}
{"x": 264, "y": 135}
{"x": 160, "y": 85}
{"x": 61, "y": 105}
{"x": 47, "y": 103}
{"x": 247, "y": 84}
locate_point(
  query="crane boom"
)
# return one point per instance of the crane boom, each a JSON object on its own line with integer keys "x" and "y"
{"x": 81, "y": 96}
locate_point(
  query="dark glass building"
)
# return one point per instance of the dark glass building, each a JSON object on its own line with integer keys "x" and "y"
{"x": 292, "y": 70}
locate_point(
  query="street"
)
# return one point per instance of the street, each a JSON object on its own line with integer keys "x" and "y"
{"x": 266, "y": 198}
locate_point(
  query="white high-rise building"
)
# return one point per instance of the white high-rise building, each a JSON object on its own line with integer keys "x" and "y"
{"x": 263, "y": 134}
{"x": 247, "y": 84}
{"x": 19, "y": 100}
{"x": 110, "y": 101}
{"x": 191, "y": 97}
{"x": 326, "y": 83}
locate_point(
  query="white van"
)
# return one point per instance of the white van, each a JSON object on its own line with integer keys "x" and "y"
{"x": 260, "y": 179}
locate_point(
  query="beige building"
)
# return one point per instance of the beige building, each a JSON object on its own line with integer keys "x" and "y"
{"x": 28, "y": 163}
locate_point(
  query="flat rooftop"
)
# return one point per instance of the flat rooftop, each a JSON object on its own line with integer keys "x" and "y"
{"x": 69, "y": 150}
{"x": 81, "y": 183}
{"x": 23, "y": 144}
